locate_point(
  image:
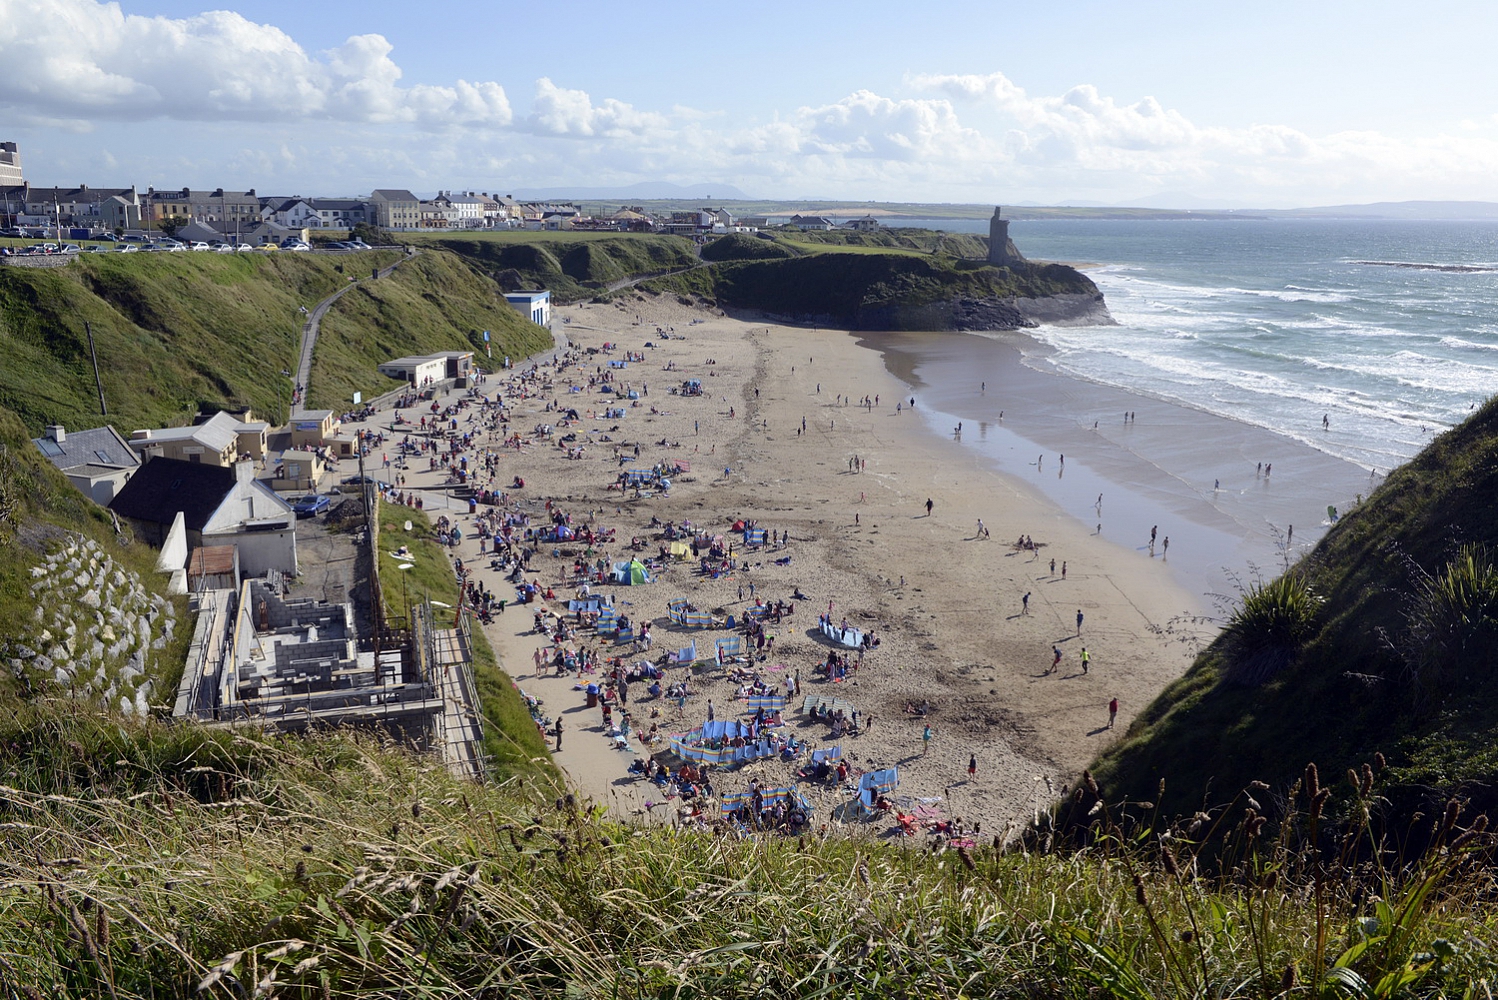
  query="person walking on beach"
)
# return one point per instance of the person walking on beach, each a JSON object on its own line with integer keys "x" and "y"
{"x": 557, "y": 732}
{"x": 1055, "y": 659}
{"x": 926, "y": 734}
{"x": 972, "y": 766}
{"x": 1086, "y": 659}
{"x": 1152, "y": 535}
{"x": 1079, "y": 621}
{"x": 1165, "y": 547}
{"x": 982, "y": 531}
{"x": 1063, "y": 569}
{"x": 711, "y": 716}
{"x": 1024, "y": 604}
{"x": 1112, "y": 712}
{"x": 929, "y": 504}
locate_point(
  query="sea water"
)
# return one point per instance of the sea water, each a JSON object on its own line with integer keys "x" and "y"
{"x": 1388, "y": 330}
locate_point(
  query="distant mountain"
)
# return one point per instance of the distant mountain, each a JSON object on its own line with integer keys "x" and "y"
{"x": 1412, "y": 210}
{"x": 643, "y": 191}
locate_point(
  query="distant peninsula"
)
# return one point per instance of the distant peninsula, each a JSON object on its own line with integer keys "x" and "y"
{"x": 886, "y": 279}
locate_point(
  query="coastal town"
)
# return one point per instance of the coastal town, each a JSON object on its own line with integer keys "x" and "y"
{"x": 219, "y": 217}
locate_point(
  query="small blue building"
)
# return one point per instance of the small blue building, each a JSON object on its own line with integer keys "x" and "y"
{"x": 534, "y": 306}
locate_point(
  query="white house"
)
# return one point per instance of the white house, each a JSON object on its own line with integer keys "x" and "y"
{"x": 219, "y": 506}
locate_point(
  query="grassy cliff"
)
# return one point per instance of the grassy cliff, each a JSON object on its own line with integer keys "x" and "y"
{"x": 432, "y": 302}
{"x": 179, "y": 332}
{"x": 1380, "y": 641}
{"x": 882, "y": 289}
{"x": 572, "y": 266}
{"x": 174, "y": 332}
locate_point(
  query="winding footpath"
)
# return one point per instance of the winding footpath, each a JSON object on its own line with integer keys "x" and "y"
{"x": 310, "y": 327}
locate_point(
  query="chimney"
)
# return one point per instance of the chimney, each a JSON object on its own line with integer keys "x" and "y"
{"x": 56, "y": 433}
{"x": 244, "y": 472}
{"x": 141, "y": 435}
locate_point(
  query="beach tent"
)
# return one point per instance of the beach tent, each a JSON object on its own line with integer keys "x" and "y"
{"x": 680, "y": 550}
{"x": 631, "y": 573}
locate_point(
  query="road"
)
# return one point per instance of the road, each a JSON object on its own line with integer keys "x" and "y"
{"x": 309, "y": 333}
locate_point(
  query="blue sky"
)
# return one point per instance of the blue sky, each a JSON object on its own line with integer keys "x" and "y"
{"x": 1189, "y": 104}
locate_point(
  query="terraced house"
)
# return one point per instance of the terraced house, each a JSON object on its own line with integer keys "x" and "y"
{"x": 395, "y": 208}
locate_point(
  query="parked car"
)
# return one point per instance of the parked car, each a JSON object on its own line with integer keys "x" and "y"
{"x": 224, "y": 248}
{"x": 243, "y": 248}
{"x": 199, "y": 247}
{"x": 97, "y": 249}
{"x": 267, "y": 248}
{"x": 127, "y": 248}
{"x": 358, "y": 244}
{"x": 310, "y": 505}
{"x": 132, "y": 238}
{"x": 70, "y": 248}
{"x": 337, "y": 245}
{"x": 361, "y": 480}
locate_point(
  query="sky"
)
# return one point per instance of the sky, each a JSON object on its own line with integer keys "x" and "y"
{"x": 1169, "y": 104}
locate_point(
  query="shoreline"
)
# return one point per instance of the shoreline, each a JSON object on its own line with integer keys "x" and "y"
{"x": 1192, "y": 473}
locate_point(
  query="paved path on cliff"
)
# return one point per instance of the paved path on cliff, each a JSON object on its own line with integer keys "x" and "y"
{"x": 314, "y": 319}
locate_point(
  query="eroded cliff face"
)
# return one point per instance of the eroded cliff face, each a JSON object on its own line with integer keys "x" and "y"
{"x": 961, "y": 314}
{"x": 1074, "y": 309}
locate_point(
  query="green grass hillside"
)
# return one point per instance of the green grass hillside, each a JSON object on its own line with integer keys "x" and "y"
{"x": 174, "y": 332}
{"x": 1382, "y": 640}
{"x": 892, "y": 238}
{"x": 881, "y": 289}
{"x": 573, "y": 266}
{"x": 432, "y": 302}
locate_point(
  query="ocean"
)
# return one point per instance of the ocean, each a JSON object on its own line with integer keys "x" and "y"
{"x": 1389, "y": 330}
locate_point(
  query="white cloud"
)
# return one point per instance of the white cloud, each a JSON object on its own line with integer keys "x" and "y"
{"x": 83, "y": 60}
{"x": 558, "y": 111}
{"x": 73, "y": 65}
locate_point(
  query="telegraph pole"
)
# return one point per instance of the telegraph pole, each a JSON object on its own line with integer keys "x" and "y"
{"x": 98, "y": 383}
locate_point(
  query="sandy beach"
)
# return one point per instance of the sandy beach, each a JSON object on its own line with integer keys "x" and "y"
{"x": 947, "y": 603}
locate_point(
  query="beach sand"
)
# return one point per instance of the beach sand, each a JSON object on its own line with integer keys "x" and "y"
{"x": 952, "y": 634}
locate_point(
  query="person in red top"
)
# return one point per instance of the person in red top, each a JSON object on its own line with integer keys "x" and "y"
{"x": 1112, "y": 712}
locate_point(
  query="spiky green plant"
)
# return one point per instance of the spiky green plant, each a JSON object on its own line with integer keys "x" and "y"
{"x": 1453, "y": 620}
{"x": 1272, "y": 623}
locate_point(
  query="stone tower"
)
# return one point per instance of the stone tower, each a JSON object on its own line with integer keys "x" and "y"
{"x": 1001, "y": 249}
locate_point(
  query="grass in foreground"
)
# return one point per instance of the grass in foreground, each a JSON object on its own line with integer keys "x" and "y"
{"x": 146, "y": 861}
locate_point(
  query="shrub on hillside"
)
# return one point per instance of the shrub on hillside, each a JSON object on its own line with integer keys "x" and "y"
{"x": 742, "y": 246}
{"x": 1271, "y": 625}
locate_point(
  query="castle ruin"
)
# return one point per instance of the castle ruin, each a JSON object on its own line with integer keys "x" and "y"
{"x": 1001, "y": 249}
